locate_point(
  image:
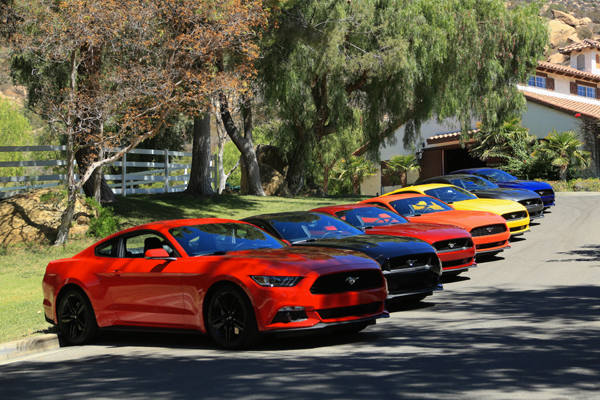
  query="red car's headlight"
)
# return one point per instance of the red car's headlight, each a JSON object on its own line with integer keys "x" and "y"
{"x": 276, "y": 281}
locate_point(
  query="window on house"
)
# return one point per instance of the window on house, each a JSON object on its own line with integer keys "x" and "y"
{"x": 586, "y": 91}
{"x": 581, "y": 62}
{"x": 537, "y": 81}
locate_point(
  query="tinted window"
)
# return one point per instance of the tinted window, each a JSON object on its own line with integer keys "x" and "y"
{"x": 299, "y": 227}
{"x": 473, "y": 183}
{"x": 136, "y": 246}
{"x": 108, "y": 249}
{"x": 205, "y": 239}
{"x": 450, "y": 194}
{"x": 419, "y": 205}
{"x": 370, "y": 216}
{"x": 496, "y": 175}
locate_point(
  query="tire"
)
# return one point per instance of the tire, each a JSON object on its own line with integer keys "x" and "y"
{"x": 76, "y": 318}
{"x": 230, "y": 319}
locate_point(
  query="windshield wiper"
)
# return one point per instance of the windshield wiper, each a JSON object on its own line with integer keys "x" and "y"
{"x": 306, "y": 240}
{"x": 216, "y": 253}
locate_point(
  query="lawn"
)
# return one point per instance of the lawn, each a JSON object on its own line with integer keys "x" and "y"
{"x": 22, "y": 267}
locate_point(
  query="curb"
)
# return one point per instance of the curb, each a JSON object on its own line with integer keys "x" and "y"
{"x": 28, "y": 346}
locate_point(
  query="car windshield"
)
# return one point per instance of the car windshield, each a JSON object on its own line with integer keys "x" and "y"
{"x": 419, "y": 205}
{"x": 496, "y": 175}
{"x": 473, "y": 183}
{"x": 311, "y": 226}
{"x": 450, "y": 194}
{"x": 366, "y": 217}
{"x": 219, "y": 238}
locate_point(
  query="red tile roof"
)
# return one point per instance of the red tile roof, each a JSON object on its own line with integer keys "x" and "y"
{"x": 447, "y": 137}
{"x": 567, "y": 71}
{"x": 566, "y": 105}
{"x": 584, "y": 44}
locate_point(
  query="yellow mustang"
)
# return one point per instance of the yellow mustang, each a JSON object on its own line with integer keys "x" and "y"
{"x": 515, "y": 214}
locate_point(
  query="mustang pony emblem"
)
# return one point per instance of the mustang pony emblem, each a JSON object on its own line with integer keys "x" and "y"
{"x": 410, "y": 263}
{"x": 352, "y": 280}
{"x": 489, "y": 229}
{"x": 451, "y": 245}
{"x": 513, "y": 216}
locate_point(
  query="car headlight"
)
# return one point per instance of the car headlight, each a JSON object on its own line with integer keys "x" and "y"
{"x": 276, "y": 281}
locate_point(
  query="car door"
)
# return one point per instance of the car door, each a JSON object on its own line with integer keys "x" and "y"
{"x": 145, "y": 291}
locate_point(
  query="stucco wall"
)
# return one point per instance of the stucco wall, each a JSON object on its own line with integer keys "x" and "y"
{"x": 541, "y": 120}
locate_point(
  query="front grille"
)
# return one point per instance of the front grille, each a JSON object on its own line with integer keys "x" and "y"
{"x": 412, "y": 261}
{"x": 454, "y": 244}
{"x": 351, "y": 311}
{"x": 490, "y": 245}
{"x": 545, "y": 192}
{"x": 399, "y": 283}
{"x": 531, "y": 202}
{"x": 456, "y": 263}
{"x": 518, "y": 228}
{"x": 535, "y": 214}
{"x": 347, "y": 281}
{"x": 515, "y": 215}
{"x": 488, "y": 230}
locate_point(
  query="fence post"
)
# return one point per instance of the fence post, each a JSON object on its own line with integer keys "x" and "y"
{"x": 123, "y": 175}
{"x": 166, "y": 170}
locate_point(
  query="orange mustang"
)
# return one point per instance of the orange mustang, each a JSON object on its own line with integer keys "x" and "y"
{"x": 224, "y": 277}
{"x": 488, "y": 230}
{"x": 453, "y": 245}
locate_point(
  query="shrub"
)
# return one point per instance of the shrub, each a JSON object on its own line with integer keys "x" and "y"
{"x": 105, "y": 222}
{"x": 576, "y": 185}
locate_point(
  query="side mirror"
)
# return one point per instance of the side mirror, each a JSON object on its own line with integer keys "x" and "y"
{"x": 286, "y": 242}
{"x": 158, "y": 254}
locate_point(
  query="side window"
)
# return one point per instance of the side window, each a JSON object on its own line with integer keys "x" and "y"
{"x": 136, "y": 246}
{"x": 108, "y": 249}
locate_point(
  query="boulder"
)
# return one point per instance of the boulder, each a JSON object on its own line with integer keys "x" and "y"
{"x": 274, "y": 184}
{"x": 585, "y": 21}
{"x": 273, "y": 156}
{"x": 566, "y": 18}
{"x": 35, "y": 217}
{"x": 315, "y": 192}
{"x": 559, "y": 33}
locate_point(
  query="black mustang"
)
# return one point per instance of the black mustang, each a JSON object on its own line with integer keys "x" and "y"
{"x": 411, "y": 266}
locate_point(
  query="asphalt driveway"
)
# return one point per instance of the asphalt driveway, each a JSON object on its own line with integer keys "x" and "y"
{"x": 523, "y": 325}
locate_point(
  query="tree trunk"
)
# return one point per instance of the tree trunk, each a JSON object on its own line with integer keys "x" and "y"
{"x": 296, "y": 172}
{"x": 201, "y": 154}
{"x": 245, "y": 146}
{"x": 85, "y": 157}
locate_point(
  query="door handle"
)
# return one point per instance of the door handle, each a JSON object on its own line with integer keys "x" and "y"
{"x": 116, "y": 272}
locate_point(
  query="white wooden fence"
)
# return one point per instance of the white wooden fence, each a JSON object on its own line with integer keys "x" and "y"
{"x": 124, "y": 183}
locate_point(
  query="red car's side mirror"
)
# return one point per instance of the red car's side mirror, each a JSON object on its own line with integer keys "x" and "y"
{"x": 286, "y": 242}
{"x": 158, "y": 254}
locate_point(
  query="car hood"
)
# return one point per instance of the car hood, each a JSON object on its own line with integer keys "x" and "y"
{"x": 379, "y": 247}
{"x": 524, "y": 184}
{"x": 506, "y": 194}
{"x": 431, "y": 233}
{"x": 465, "y": 219}
{"x": 496, "y": 206}
{"x": 300, "y": 260}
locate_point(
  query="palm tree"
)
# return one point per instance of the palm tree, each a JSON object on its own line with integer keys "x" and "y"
{"x": 563, "y": 150}
{"x": 357, "y": 168}
{"x": 510, "y": 141}
{"x": 400, "y": 166}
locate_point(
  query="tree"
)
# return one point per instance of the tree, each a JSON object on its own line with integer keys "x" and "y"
{"x": 128, "y": 65}
{"x": 201, "y": 156}
{"x": 400, "y": 166}
{"x": 509, "y": 141}
{"x": 357, "y": 169}
{"x": 563, "y": 150}
{"x": 400, "y": 62}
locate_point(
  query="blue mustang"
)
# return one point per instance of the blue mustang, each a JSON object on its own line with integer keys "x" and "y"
{"x": 506, "y": 180}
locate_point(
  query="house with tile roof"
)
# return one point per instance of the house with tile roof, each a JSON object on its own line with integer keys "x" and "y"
{"x": 558, "y": 97}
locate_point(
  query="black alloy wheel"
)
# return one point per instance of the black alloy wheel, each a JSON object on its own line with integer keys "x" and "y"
{"x": 76, "y": 318}
{"x": 231, "y": 321}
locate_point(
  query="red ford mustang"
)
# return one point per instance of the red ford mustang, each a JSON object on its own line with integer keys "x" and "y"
{"x": 224, "y": 277}
{"x": 453, "y": 245}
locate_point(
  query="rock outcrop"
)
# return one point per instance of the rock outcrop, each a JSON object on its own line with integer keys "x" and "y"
{"x": 35, "y": 217}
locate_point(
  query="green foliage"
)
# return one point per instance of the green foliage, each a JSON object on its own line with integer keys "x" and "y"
{"x": 577, "y": 185}
{"x": 400, "y": 165}
{"x": 398, "y": 62}
{"x": 352, "y": 172}
{"x": 585, "y": 33}
{"x": 54, "y": 196}
{"x": 105, "y": 223}
{"x": 510, "y": 141}
{"x": 563, "y": 150}
{"x": 14, "y": 131}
